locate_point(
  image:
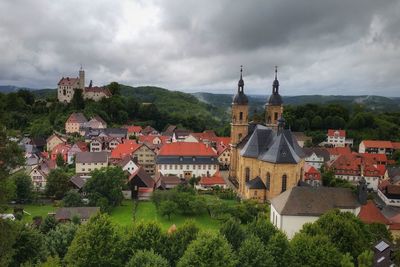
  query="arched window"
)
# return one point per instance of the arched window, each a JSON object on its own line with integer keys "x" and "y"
{"x": 247, "y": 174}
{"x": 241, "y": 116}
{"x": 284, "y": 182}
{"x": 276, "y": 116}
{"x": 240, "y": 137}
{"x": 268, "y": 181}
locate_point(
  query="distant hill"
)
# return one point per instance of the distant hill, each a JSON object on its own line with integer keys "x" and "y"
{"x": 8, "y": 88}
{"x": 372, "y": 102}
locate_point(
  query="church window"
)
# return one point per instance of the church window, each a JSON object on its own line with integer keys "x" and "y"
{"x": 247, "y": 174}
{"x": 241, "y": 116}
{"x": 276, "y": 116}
{"x": 268, "y": 181}
{"x": 240, "y": 137}
{"x": 284, "y": 182}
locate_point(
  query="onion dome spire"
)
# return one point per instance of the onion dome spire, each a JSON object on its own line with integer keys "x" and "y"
{"x": 275, "y": 98}
{"x": 240, "y": 98}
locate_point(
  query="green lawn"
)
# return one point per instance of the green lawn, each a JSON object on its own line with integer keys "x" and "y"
{"x": 146, "y": 212}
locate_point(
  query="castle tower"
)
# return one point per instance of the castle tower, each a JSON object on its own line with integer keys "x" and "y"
{"x": 81, "y": 78}
{"x": 274, "y": 107}
{"x": 239, "y": 122}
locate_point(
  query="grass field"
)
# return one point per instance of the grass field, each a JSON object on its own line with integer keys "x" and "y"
{"x": 146, "y": 212}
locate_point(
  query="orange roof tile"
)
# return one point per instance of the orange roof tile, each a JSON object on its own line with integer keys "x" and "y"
{"x": 224, "y": 140}
{"x": 374, "y": 157}
{"x": 125, "y": 149}
{"x": 77, "y": 118}
{"x": 216, "y": 179}
{"x": 186, "y": 149}
{"x": 133, "y": 128}
{"x": 339, "y": 151}
{"x": 61, "y": 149}
{"x": 377, "y": 143}
{"x": 396, "y": 145}
{"x": 310, "y": 169}
{"x": 341, "y": 133}
{"x": 369, "y": 213}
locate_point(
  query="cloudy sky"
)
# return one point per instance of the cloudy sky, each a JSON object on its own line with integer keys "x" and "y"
{"x": 346, "y": 47}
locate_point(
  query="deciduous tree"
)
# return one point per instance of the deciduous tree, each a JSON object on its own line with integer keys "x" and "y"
{"x": 252, "y": 252}
{"x": 147, "y": 258}
{"x": 233, "y": 232}
{"x": 57, "y": 184}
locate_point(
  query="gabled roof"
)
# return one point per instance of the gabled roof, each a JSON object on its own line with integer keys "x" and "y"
{"x": 82, "y": 212}
{"x": 61, "y": 149}
{"x": 62, "y": 139}
{"x": 256, "y": 183}
{"x": 78, "y": 181}
{"x": 319, "y": 151}
{"x": 125, "y": 160}
{"x": 125, "y": 149}
{"x": 98, "y": 89}
{"x": 374, "y": 157}
{"x": 91, "y": 157}
{"x": 314, "y": 201}
{"x": 148, "y": 130}
{"x": 133, "y": 128}
{"x": 310, "y": 169}
{"x": 340, "y": 133}
{"x": 144, "y": 176}
{"x": 216, "y": 179}
{"x": 76, "y": 118}
{"x": 268, "y": 145}
{"x": 336, "y": 151}
{"x": 377, "y": 144}
{"x": 186, "y": 149}
{"x": 69, "y": 81}
{"x": 223, "y": 140}
{"x": 370, "y": 213}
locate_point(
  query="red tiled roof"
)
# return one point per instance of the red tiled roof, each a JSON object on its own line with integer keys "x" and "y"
{"x": 369, "y": 213}
{"x": 133, "y": 128}
{"x": 186, "y": 149}
{"x": 148, "y": 139}
{"x": 377, "y": 143}
{"x": 374, "y": 157}
{"x": 82, "y": 145}
{"x": 216, "y": 179}
{"x": 77, "y": 118}
{"x": 206, "y": 135}
{"x": 224, "y": 140}
{"x": 124, "y": 149}
{"x": 395, "y": 218}
{"x": 396, "y": 145}
{"x": 69, "y": 81}
{"x": 60, "y": 149}
{"x": 381, "y": 169}
{"x": 394, "y": 226}
{"x": 339, "y": 151}
{"x": 341, "y": 133}
{"x": 310, "y": 169}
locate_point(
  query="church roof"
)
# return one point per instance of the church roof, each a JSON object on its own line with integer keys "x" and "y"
{"x": 256, "y": 183}
{"x": 275, "y": 99}
{"x": 240, "y": 98}
{"x": 271, "y": 146}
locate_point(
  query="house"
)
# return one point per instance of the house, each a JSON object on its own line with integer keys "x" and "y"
{"x": 337, "y": 138}
{"x": 207, "y": 183}
{"x": 376, "y": 147}
{"x": 299, "y": 205}
{"x": 133, "y": 131}
{"x": 105, "y": 139}
{"x": 39, "y": 173}
{"x": 206, "y": 137}
{"x": 154, "y": 141}
{"x": 38, "y": 142}
{"x": 311, "y": 175}
{"x": 165, "y": 182}
{"x": 77, "y": 147}
{"x": 224, "y": 155}
{"x": 95, "y": 122}
{"x": 74, "y": 123}
{"x": 61, "y": 149}
{"x": 54, "y": 140}
{"x": 125, "y": 149}
{"x": 383, "y": 254}
{"x": 393, "y": 174}
{"x": 148, "y": 130}
{"x": 83, "y": 213}
{"x": 180, "y": 135}
{"x": 146, "y": 158}
{"x": 86, "y": 162}
{"x": 335, "y": 152}
{"x": 187, "y": 160}
{"x": 316, "y": 156}
{"x": 127, "y": 164}
{"x": 96, "y": 93}
{"x": 78, "y": 182}
{"x": 389, "y": 193}
{"x": 302, "y": 138}
{"x": 141, "y": 184}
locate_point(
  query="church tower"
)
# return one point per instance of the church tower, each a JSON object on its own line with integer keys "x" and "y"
{"x": 274, "y": 107}
{"x": 239, "y": 122}
{"x": 81, "y": 79}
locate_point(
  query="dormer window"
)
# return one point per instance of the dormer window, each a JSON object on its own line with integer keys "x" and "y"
{"x": 194, "y": 158}
{"x": 181, "y": 158}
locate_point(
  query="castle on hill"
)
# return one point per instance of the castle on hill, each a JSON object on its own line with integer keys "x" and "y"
{"x": 266, "y": 159}
{"x": 67, "y": 87}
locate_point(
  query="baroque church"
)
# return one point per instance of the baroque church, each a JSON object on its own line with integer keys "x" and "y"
{"x": 266, "y": 159}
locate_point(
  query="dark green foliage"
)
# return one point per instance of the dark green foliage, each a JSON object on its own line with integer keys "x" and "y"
{"x": 167, "y": 208}
{"x": 114, "y": 88}
{"x": 48, "y": 224}
{"x": 96, "y": 243}
{"x": 233, "y": 232}
{"x": 366, "y": 259}
{"x": 146, "y": 236}
{"x": 29, "y": 246}
{"x": 104, "y": 188}
{"x": 147, "y": 258}
{"x": 77, "y": 102}
{"x": 8, "y": 234}
{"x": 261, "y": 228}
{"x": 72, "y": 199}
{"x": 279, "y": 248}
{"x": 208, "y": 250}
{"x": 177, "y": 241}
{"x": 59, "y": 239}
{"x": 60, "y": 161}
{"x": 378, "y": 231}
{"x": 313, "y": 251}
{"x": 252, "y": 252}
{"x": 347, "y": 261}
{"x": 57, "y": 184}
{"x": 23, "y": 187}
{"x": 248, "y": 210}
